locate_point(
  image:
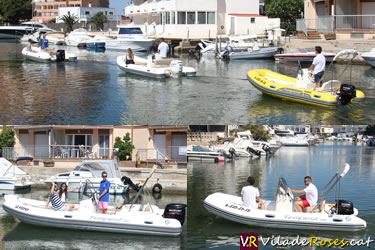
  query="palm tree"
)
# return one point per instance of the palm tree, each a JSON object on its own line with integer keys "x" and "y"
{"x": 99, "y": 20}
{"x": 69, "y": 21}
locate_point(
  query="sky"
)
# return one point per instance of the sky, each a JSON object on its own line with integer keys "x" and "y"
{"x": 119, "y": 5}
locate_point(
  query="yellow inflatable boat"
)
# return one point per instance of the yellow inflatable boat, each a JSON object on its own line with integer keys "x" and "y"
{"x": 302, "y": 89}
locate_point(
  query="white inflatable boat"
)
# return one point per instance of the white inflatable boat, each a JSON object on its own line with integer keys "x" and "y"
{"x": 130, "y": 218}
{"x": 42, "y": 56}
{"x": 156, "y": 68}
{"x": 281, "y": 214}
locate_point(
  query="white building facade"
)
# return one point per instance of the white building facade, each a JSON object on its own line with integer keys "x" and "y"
{"x": 84, "y": 14}
{"x": 200, "y": 19}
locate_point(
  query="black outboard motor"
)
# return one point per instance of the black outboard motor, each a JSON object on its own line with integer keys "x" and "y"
{"x": 60, "y": 55}
{"x": 176, "y": 211}
{"x": 267, "y": 149}
{"x": 232, "y": 153}
{"x": 347, "y": 93}
{"x": 344, "y": 207}
{"x": 253, "y": 151}
{"x": 128, "y": 181}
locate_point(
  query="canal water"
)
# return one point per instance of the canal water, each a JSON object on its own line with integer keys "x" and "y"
{"x": 94, "y": 91}
{"x": 206, "y": 230}
{"x": 17, "y": 235}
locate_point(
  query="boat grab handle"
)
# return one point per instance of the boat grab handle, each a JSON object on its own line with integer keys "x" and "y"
{"x": 149, "y": 222}
{"x": 270, "y": 215}
{"x": 272, "y": 86}
{"x": 68, "y": 216}
{"x": 337, "y": 219}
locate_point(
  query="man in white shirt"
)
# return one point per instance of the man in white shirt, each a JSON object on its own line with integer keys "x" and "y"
{"x": 163, "y": 49}
{"x": 309, "y": 197}
{"x": 318, "y": 66}
{"x": 250, "y": 195}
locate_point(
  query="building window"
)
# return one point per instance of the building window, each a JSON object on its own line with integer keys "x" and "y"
{"x": 167, "y": 18}
{"x": 87, "y": 13}
{"x": 111, "y": 13}
{"x": 202, "y": 18}
{"x": 173, "y": 18}
{"x": 252, "y": 20}
{"x": 191, "y": 18}
{"x": 181, "y": 17}
{"x": 211, "y": 18}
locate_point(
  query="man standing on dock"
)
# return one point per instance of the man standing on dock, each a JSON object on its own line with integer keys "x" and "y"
{"x": 318, "y": 66}
{"x": 163, "y": 49}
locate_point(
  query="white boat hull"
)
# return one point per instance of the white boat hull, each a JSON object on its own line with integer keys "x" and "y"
{"x": 139, "y": 220}
{"x": 230, "y": 207}
{"x": 44, "y": 57}
{"x": 124, "y": 44}
{"x": 254, "y": 54}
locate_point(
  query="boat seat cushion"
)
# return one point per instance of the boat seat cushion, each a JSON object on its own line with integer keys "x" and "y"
{"x": 163, "y": 61}
{"x": 330, "y": 86}
{"x": 318, "y": 208}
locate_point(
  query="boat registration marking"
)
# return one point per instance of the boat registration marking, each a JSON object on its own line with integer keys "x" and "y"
{"x": 21, "y": 208}
{"x": 240, "y": 208}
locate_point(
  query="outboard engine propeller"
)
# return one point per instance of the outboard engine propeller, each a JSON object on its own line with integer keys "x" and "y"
{"x": 60, "y": 55}
{"x": 347, "y": 93}
{"x": 253, "y": 151}
{"x": 176, "y": 68}
{"x": 176, "y": 211}
{"x": 128, "y": 181}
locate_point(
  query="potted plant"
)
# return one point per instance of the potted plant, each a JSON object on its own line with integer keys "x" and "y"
{"x": 330, "y": 36}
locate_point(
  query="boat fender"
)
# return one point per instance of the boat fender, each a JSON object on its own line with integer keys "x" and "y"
{"x": 157, "y": 188}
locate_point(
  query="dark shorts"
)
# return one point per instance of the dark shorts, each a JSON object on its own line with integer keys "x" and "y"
{"x": 129, "y": 62}
{"x": 318, "y": 76}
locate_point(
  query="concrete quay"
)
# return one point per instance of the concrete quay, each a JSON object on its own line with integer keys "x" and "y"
{"x": 172, "y": 180}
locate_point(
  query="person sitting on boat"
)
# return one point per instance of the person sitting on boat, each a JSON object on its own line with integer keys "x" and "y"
{"x": 129, "y": 59}
{"x": 29, "y": 46}
{"x": 309, "y": 197}
{"x": 251, "y": 196}
{"x": 163, "y": 49}
{"x": 103, "y": 196}
{"x": 57, "y": 203}
{"x": 64, "y": 190}
{"x": 318, "y": 66}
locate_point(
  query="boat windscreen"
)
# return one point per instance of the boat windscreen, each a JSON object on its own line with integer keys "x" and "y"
{"x": 97, "y": 167}
{"x": 282, "y": 187}
{"x": 130, "y": 31}
{"x": 88, "y": 190}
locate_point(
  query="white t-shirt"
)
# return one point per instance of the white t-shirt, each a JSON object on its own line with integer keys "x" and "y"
{"x": 311, "y": 193}
{"x": 320, "y": 63}
{"x": 249, "y": 194}
{"x": 163, "y": 48}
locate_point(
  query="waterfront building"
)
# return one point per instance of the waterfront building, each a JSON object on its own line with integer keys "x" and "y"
{"x": 46, "y": 10}
{"x": 199, "y": 19}
{"x": 72, "y": 143}
{"x": 347, "y": 18}
{"x": 84, "y": 14}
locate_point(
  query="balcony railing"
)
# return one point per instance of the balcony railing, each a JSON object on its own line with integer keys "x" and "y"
{"x": 172, "y": 153}
{"x": 56, "y": 152}
{"x": 360, "y": 23}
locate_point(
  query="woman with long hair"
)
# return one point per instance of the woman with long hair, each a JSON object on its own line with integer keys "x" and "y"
{"x": 63, "y": 191}
{"x": 129, "y": 58}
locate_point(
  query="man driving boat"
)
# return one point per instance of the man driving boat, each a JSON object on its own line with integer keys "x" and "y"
{"x": 309, "y": 197}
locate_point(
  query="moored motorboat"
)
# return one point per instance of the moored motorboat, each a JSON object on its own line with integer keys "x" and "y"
{"x": 12, "y": 177}
{"x": 369, "y": 57}
{"x": 43, "y": 56}
{"x": 280, "y": 213}
{"x": 77, "y": 38}
{"x": 155, "y": 68}
{"x": 302, "y": 56}
{"x": 303, "y": 88}
{"x": 96, "y": 42}
{"x": 130, "y": 218}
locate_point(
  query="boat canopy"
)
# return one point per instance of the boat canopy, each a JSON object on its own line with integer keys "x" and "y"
{"x": 8, "y": 169}
{"x": 242, "y": 38}
{"x": 346, "y": 52}
{"x": 96, "y": 167}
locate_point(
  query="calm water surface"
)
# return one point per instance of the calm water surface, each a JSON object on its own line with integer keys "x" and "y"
{"x": 94, "y": 91}
{"x": 209, "y": 231}
{"x": 16, "y": 235}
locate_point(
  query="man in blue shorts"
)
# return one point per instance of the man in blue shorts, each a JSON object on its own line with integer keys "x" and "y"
{"x": 318, "y": 66}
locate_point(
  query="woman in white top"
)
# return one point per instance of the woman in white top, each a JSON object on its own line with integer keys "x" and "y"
{"x": 64, "y": 190}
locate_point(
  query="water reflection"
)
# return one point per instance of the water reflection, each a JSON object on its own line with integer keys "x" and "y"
{"x": 321, "y": 162}
{"x": 94, "y": 91}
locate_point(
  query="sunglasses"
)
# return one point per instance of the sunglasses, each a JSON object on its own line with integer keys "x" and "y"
{"x": 104, "y": 176}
